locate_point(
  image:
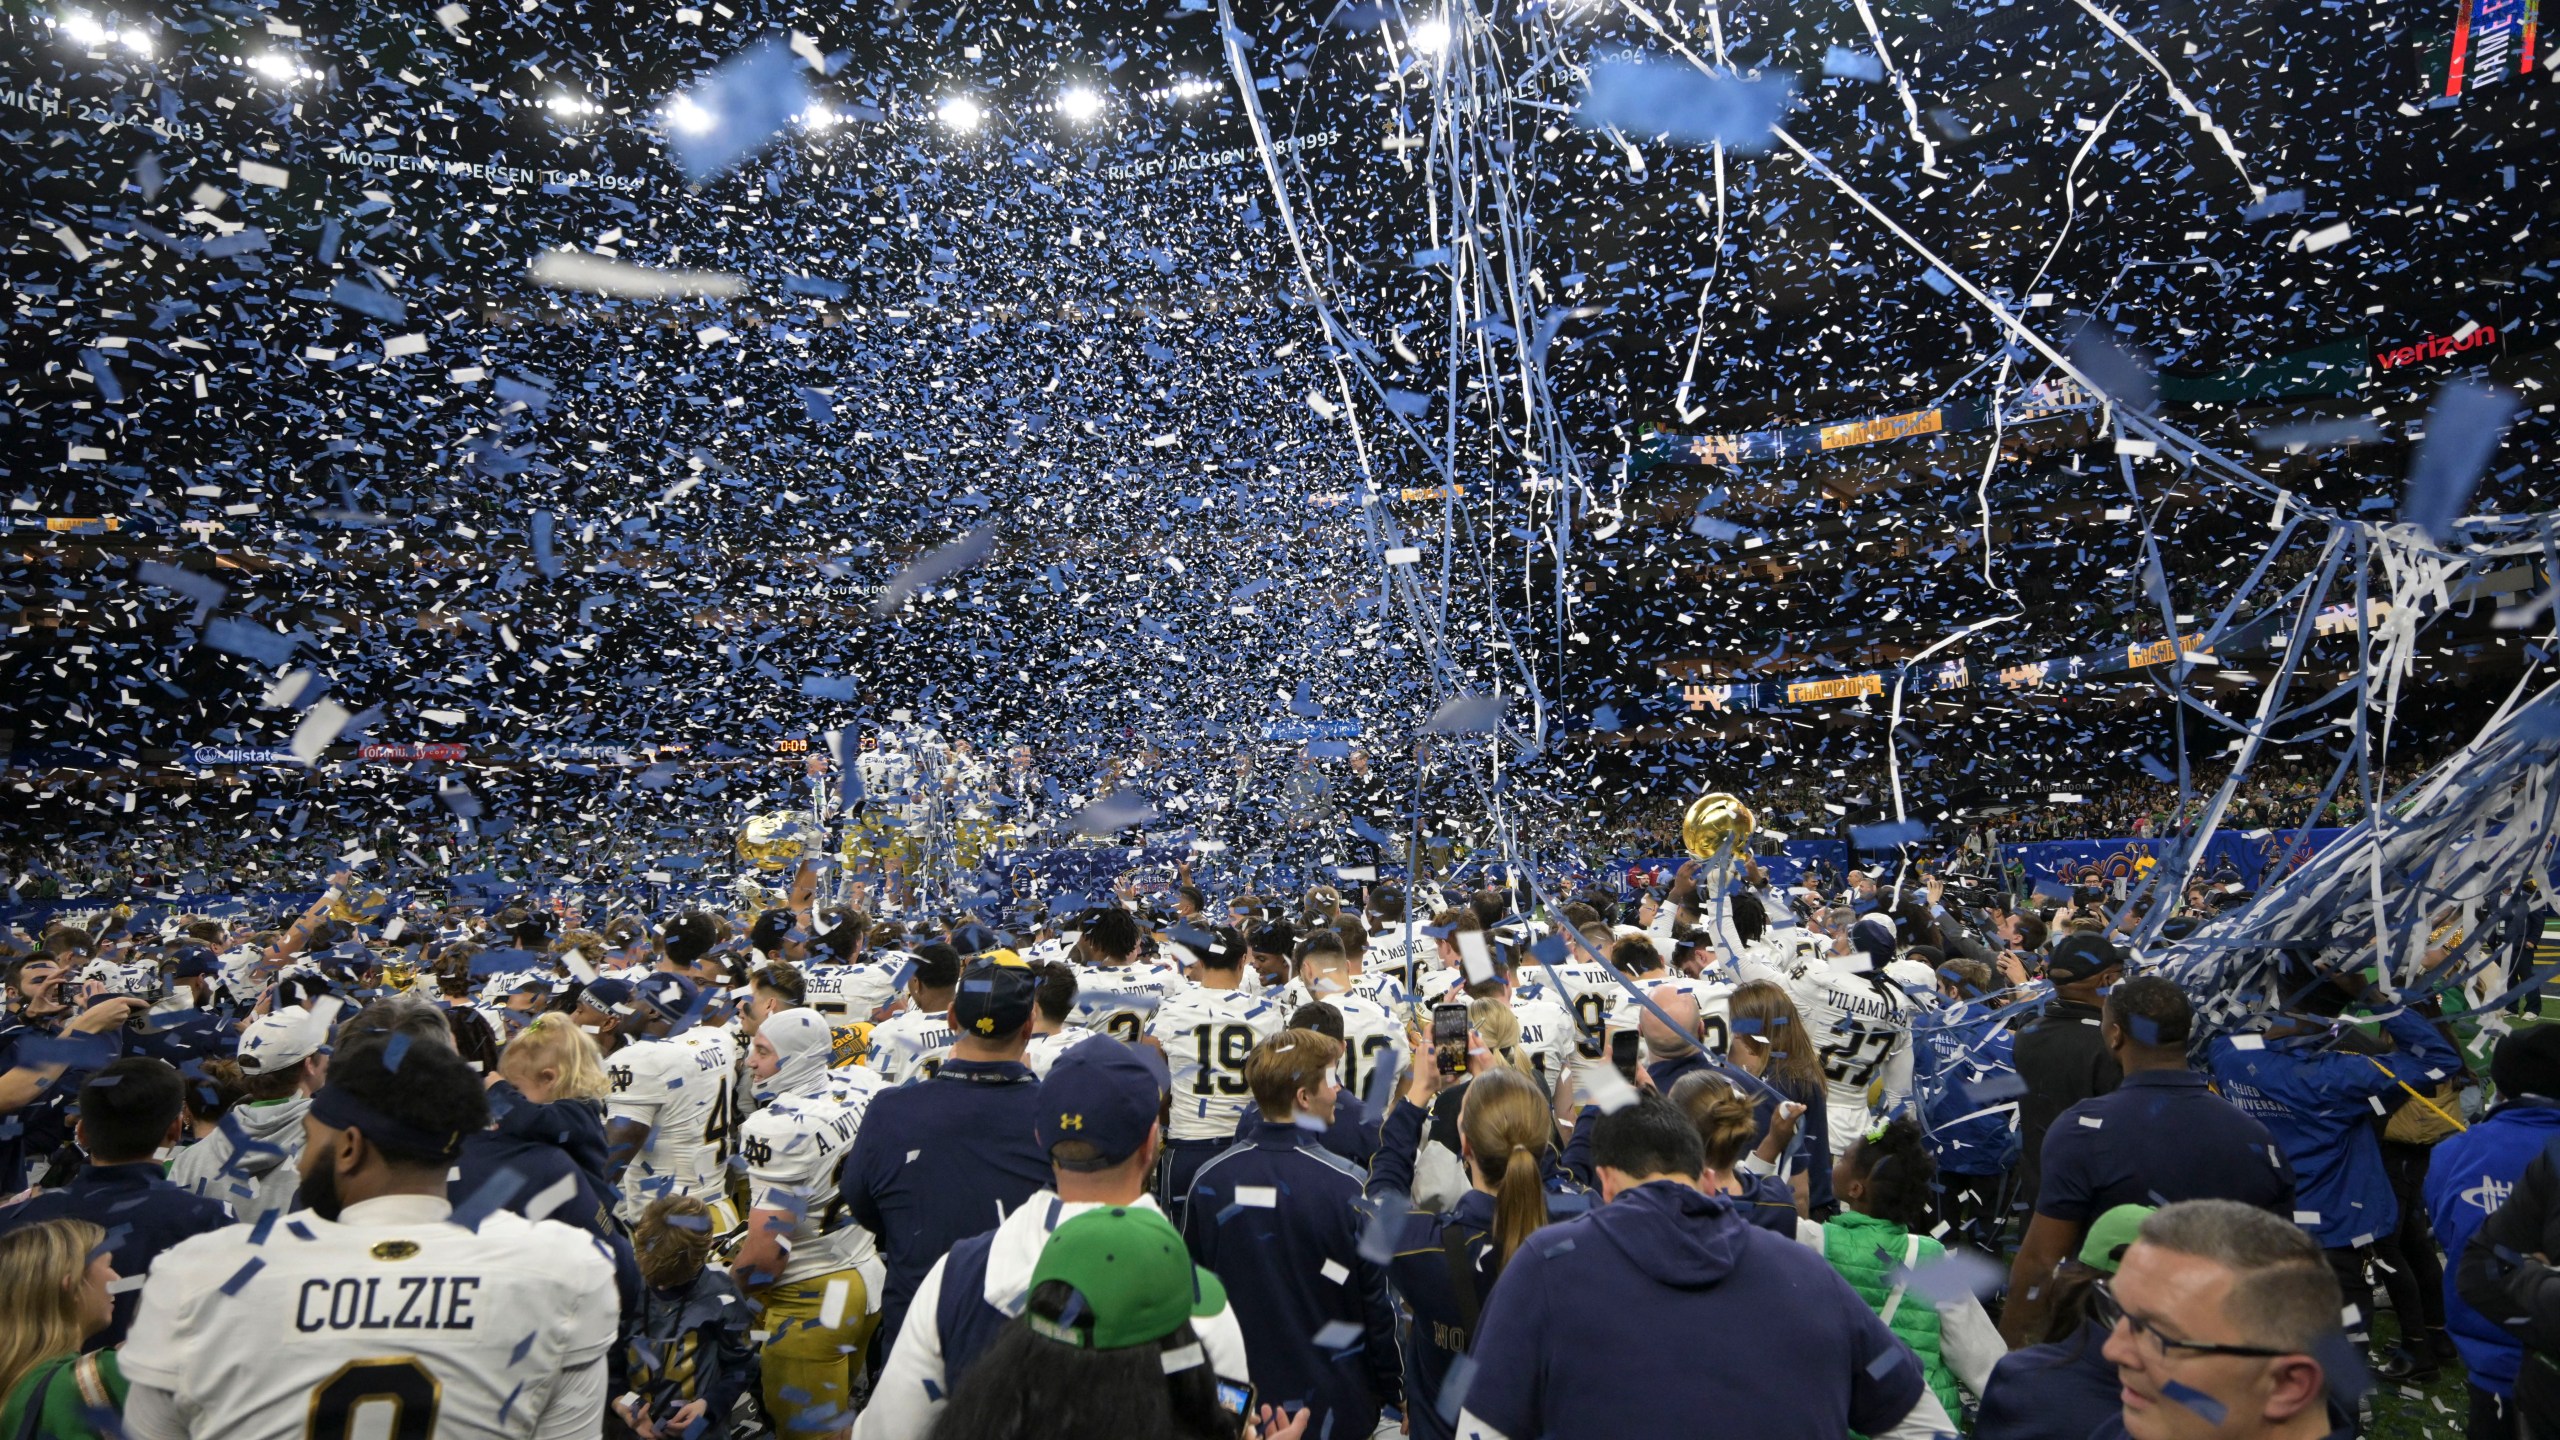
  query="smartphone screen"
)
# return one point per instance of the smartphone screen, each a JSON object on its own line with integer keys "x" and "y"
{"x": 1622, "y": 1053}
{"x": 1449, "y": 1038}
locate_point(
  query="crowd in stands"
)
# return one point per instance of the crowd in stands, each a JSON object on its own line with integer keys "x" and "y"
{"x": 1387, "y": 1161}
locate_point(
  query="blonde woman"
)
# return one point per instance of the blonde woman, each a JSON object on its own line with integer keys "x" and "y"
{"x": 55, "y": 1292}
{"x": 548, "y": 1129}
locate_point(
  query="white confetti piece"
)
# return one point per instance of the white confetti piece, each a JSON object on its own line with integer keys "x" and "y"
{"x": 258, "y": 172}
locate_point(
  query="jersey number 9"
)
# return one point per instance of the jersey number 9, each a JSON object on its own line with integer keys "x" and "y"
{"x": 402, "y": 1384}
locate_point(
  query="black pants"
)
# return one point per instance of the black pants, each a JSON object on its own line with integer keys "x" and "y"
{"x": 2407, "y": 1167}
{"x": 2493, "y": 1417}
{"x": 1970, "y": 1206}
{"x": 2355, "y": 1283}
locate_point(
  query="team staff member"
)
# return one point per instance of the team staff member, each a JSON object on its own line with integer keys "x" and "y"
{"x": 2224, "y": 1324}
{"x": 128, "y": 1112}
{"x": 1097, "y": 1120}
{"x": 943, "y": 1159}
{"x": 2470, "y": 1176}
{"x": 499, "y": 1330}
{"x": 817, "y": 1278}
{"x": 2162, "y": 1135}
{"x": 2062, "y": 1057}
{"x": 1278, "y": 1218}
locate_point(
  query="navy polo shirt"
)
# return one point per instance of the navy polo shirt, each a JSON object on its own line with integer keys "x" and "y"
{"x": 143, "y": 1215}
{"x": 2159, "y": 1137}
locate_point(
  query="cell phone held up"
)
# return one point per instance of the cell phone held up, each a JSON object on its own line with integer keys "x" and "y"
{"x": 1449, "y": 1040}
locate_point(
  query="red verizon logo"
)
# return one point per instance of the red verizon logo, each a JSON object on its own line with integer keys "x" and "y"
{"x": 2436, "y": 348}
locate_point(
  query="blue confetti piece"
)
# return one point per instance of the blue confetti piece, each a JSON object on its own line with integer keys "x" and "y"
{"x": 1645, "y": 97}
{"x": 2210, "y": 1410}
{"x": 241, "y": 1277}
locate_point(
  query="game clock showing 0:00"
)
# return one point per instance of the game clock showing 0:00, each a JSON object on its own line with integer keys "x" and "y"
{"x": 790, "y": 747}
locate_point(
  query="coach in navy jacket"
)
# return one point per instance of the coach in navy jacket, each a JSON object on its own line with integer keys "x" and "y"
{"x": 1278, "y": 1218}
{"x": 1628, "y": 1290}
{"x": 940, "y": 1160}
{"x": 128, "y": 1110}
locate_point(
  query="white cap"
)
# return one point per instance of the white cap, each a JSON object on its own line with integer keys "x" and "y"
{"x": 280, "y": 1040}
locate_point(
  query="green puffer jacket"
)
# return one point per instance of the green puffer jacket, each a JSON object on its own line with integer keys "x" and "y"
{"x": 1867, "y": 1252}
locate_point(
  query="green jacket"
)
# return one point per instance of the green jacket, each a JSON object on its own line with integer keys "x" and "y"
{"x": 74, "y": 1387}
{"x": 1868, "y": 1253}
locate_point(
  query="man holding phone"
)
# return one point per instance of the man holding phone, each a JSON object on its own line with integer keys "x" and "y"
{"x": 46, "y": 1051}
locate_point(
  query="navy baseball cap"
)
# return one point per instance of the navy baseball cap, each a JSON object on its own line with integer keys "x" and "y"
{"x": 606, "y": 994}
{"x": 1104, "y": 1093}
{"x": 2081, "y": 957}
{"x": 195, "y": 961}
{"x": 670, "y": 996}
{"x": 993, "y": 1001}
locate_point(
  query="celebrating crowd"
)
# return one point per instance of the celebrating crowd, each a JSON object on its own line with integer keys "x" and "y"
{"x": 1387, "y": 1162}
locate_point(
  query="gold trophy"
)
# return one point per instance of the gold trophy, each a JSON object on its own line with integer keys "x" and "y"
{"x": 1716, "y": 824}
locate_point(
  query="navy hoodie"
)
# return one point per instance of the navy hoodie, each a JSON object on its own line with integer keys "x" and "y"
{"x": 544, "y": 1145}
{"x": 1638, "y": 1282}
{"x": 2065, "y": 1390}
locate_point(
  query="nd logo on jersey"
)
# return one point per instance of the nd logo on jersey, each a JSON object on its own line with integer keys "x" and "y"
{"x": 759, "y": 1151}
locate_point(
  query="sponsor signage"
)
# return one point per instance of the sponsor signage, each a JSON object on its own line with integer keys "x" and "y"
{"x": 438, "y": 751}
{"x": 2436, "y": 347}
{"x": 205, "y": 757}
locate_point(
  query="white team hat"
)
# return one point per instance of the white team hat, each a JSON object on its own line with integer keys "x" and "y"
{"x": 281, "y": 1040}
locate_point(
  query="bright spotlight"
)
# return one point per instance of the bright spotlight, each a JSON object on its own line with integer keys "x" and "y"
{"x": 276, "y": 65}
{"x": 1431, "y": 37}
{"x": 1079, "y": 104}
{"x": 817, "y": 116}
{"x": 137, "y": 41}
{"x": 571, "y": 106}
{"x": 961, "y": 113}
{"x": 687, "y": 115}
{"x": 1193, "y": 89}
{"x": 84, "y": 29}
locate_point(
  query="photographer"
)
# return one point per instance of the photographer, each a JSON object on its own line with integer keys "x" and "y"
{"x": 46, "y": 1051}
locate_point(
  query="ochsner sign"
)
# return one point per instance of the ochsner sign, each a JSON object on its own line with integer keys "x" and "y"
{"x": 2469, "y": 337}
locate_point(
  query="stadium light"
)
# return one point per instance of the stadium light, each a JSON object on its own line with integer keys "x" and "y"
{"x": 278, "y": 66}
{"x": 137, "y": 41}
{"x": 818, "y": 117}
{"x": 686, "y": 114}
{"x": 1431, "y": 37}
{"x": 85, "y": 29}
{"x": 573, "y": 107}
{"x": 961, "y": 113}
{"x": 1079, "y": 103}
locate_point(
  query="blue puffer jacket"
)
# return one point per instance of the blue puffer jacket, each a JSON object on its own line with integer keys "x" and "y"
{"x": 2319, "y": 1104}
{"x": 1966, "y": 1084}
{"x": 2468, "y": 1177}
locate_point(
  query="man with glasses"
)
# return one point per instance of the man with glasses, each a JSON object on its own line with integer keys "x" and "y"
{"x": 2224, "y": 1323}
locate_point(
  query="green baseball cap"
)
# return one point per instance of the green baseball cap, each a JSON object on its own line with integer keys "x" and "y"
{"x": 1132, "y": 1275}
{"x": 2111, "y": 1234}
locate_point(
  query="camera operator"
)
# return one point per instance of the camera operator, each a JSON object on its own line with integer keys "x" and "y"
{"x": 46, "y": 1051}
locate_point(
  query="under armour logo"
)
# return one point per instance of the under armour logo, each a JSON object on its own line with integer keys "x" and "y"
{"x": 1070, "y": 1122}
{"x": 2489, "y": 1194}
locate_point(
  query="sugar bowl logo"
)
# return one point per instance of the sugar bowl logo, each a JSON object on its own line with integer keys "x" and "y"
{"x": 2129, "y": 862}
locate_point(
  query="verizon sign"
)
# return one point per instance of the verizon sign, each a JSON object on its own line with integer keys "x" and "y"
{"x": 2470, "y": 337}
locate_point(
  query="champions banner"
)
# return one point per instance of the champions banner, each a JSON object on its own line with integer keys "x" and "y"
{"x": 2255, "y": 637}
{"x": 2044, "y": 400}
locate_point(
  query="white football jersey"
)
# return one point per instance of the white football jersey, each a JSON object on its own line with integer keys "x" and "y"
{"x": 793, "y": 1146}
{"x": 392, "y": 1321}
{"x": 1045, "y": 1049}
{"x": 1120, "y": 999}
{"x": 1547, "y": 1035}
{"x": 900, "y": 1043}
{"x": 854, "y": 1084}
{"x": 680, "y": 1087}
{"x": 860, "y": 991}
{"x": 1861, "y": 1028}
{"x": 1373, "y": 1040}
{"x": 1207, "y": 1035}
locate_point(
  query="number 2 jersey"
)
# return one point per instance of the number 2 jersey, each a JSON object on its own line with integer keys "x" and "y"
{"x": 793, "y": 1146}
{"x": 1861, "y": 1024}
{"x": 679, "y": 1087}
{"x": 1118, "y": 1000}
{"x": 391, "y": 1321}
{"x": 1207, "y": 1035}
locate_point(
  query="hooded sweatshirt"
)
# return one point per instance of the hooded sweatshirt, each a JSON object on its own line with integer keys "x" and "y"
{"x": 249, "y": 1163}
{"x": 1639, "y": 1280}
{"x": 968, "y": 1296}
{"x": 557, "y": 1152}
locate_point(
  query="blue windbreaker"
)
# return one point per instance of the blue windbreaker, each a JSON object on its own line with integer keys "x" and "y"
{"x": 2320, "y": 1104}
{"x": 1965, "y": 1084}
{"x": 2469, "y": 1176}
